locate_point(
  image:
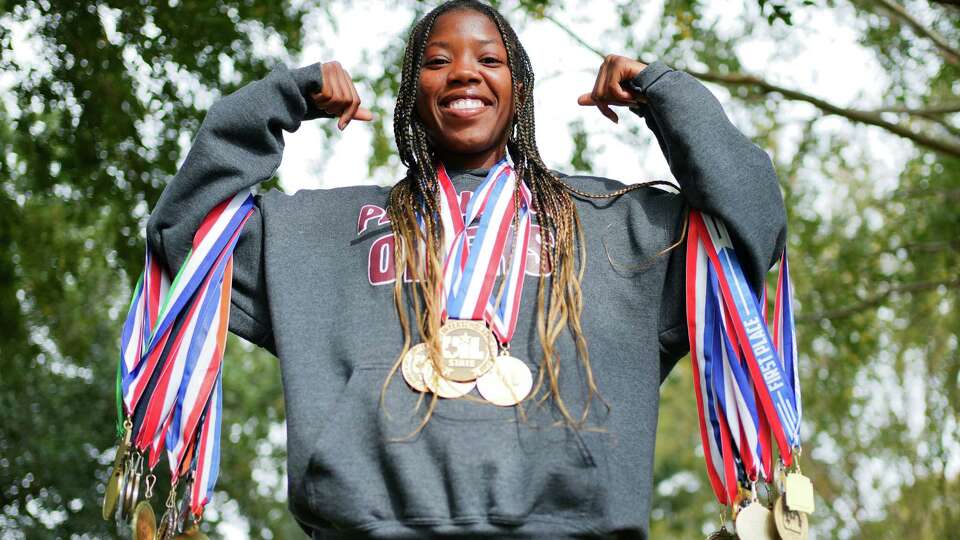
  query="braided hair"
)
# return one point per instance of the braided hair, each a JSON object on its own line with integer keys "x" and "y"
{"x": 559, "y": 302}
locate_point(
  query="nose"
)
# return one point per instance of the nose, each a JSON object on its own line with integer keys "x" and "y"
{"x": 464, "y": 71}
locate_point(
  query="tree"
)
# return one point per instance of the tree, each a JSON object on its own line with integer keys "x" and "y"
{"x": 94, "y": 129}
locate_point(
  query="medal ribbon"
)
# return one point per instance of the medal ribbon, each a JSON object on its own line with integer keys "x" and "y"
{"x": 776, "y": 395}
{"x": 149, "y": 326}
{"x": 172, "y": 344}
{"x": 470, "y": 269}
{"x": 735, "y": 364}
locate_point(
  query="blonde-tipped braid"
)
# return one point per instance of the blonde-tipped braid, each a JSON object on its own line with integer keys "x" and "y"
{"x": 416, "y": 253}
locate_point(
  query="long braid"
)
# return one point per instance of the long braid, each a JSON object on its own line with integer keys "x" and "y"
{"x": 562, "y": 248}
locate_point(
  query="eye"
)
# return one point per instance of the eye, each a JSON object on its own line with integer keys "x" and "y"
{"x": 490, "y": 60}
{"x": 435, "y": 61}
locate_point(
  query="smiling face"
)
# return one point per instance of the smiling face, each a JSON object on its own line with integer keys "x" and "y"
{"x": 465, "y": 93}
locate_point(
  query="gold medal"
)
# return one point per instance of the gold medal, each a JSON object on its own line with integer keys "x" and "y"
{"x": 144, "y": 522}
{"x": 412, "y": 366}
{"x": 755, "y": 522}
{"x": 468, "y": 348}
{"x": 443, "y": 387}
{"x": 791, "y": 525}
{"x": 507, "y": 383}
{"x": 115, "y": 482}
{"x": 799, "y": 492}
{"x": 112, "y": 493}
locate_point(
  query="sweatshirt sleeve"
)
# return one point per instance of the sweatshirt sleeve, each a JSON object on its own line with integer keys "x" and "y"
{"x": 720, "y": 172}
{"x": 239, "y": 144}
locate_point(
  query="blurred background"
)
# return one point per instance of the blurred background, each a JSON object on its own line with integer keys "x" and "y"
{"x": 857, "y": 102}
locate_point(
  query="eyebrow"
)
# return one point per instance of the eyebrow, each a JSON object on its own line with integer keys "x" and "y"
{"x": 446, "y": 44}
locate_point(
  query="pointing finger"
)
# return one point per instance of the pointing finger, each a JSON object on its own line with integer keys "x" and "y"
{"x": 364, "y": 115}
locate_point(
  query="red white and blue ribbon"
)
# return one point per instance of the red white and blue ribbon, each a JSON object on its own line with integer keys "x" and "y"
{"x": 172, "y": 350}
{"x": 744, "y": 385}
{"x": 470, "y": 268}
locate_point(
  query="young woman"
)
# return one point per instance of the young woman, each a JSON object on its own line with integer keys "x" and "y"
{"x": 601, "y": 317}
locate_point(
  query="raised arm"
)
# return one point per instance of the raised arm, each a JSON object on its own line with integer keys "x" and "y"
{"x": 240, "y": 144}
{"x": 720, "y": 172}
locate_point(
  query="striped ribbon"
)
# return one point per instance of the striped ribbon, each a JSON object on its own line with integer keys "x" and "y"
{"x": 746, "y": 383}
{"x": 171, "y": 353}
{"x": 470, "y": 269}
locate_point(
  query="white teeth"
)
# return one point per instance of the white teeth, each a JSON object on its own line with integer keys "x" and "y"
{"x": 466, "y": 104}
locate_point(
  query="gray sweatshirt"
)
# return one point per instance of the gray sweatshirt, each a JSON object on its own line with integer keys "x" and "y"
{"x": 312, "y": 284}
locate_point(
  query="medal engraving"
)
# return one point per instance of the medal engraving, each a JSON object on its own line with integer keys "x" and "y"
{"x": 144, "y": 523}
{"x": 799, "y": 493}
{"x": 791, "y": 525}
{"x": 412, "y": 366}
{"x": 507, "y": 383}
{"x": 443, "y": 387}
{"x": 468, "y": 349}
{"x": 755, "y": 522}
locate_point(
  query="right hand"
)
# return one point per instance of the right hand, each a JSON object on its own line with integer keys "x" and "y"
{"x": 338, "y": 96}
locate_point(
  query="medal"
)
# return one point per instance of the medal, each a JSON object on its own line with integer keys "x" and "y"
{"x": 791, "y": 525}
{"x": 468, "y": 349}
{"x": 412, "y": 366}
{"x": 507, "y": 383}
{"x": 112, "y": 493}
{"x": 442, "y": 387}
{"x": 755, "y": 522}
{"x": 766, "y": 494}
{"x": 168, "y": 523}
{"x": 798, "y": 490}
{"x": 115, "y": 482}
{"x": 131, "y": 487}
{"x": 144, "y": 522}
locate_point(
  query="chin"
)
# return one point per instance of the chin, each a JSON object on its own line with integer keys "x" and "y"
{"x": 468, "y": 144}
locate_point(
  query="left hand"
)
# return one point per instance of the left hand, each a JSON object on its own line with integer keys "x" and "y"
{"x": 607, "y": 90}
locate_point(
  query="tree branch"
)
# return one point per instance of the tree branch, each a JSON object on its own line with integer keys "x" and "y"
{"x": 877, "y": 299}
{"x": 575, "y": 37}
{"x": 873, "y": 118}
{"x": 865, "y": 117}
{"x": 935, "y": 109}
{"x": 950, "y": 54}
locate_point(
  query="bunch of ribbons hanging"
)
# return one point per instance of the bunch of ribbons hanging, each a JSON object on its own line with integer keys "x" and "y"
{"x": 169, "y": 379}
{"x": 747, "y": 387}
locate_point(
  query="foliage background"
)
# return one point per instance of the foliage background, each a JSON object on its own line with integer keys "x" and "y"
{"x": 92, "y": 130}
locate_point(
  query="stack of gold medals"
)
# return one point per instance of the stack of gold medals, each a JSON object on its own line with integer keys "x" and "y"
{"x": 747, "y": 387}
{"x": 469, "y": 360}
{"x": 122, "y": 502}
{"x": 770, "y": 511}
